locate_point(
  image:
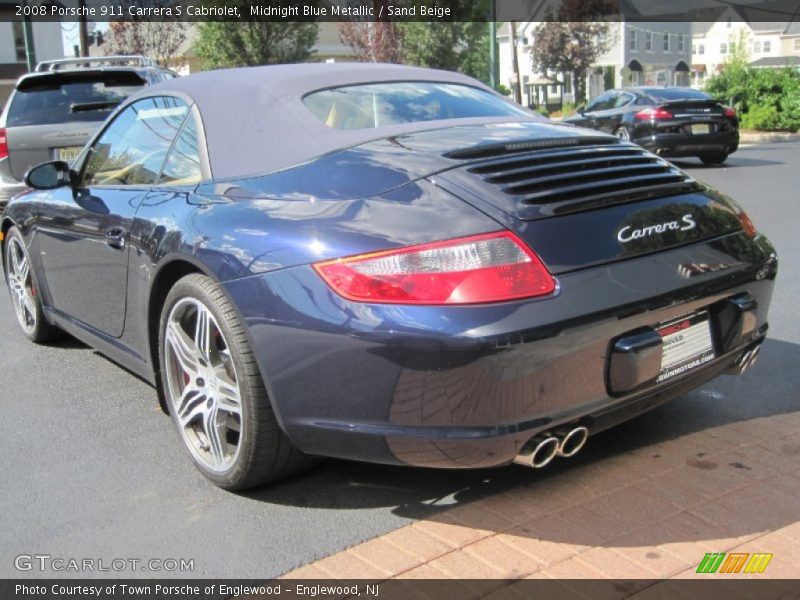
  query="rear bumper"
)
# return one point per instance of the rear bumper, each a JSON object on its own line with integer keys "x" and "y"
{"x": 466, "y": 387}
{"x": 686, "y": 144}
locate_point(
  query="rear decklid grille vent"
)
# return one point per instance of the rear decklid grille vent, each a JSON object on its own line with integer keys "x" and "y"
{"x": 563, "y": 180}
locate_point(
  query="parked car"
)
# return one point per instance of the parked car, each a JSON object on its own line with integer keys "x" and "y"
{"x": 53, "y": 111}
{"x": 382, "y": 263}
{"x": 669, "y": 121}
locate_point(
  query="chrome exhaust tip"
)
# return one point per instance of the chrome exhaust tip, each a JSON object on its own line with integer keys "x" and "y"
{"x": 573, "y": 441}
{"x": 538, "y": 452}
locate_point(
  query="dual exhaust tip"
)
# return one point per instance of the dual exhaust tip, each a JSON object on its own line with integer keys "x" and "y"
{"x": 543, "y": 448}
{"x": 748, "y": 359}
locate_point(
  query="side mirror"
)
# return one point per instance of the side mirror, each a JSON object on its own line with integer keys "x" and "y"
{"x": 580, "y": 110}
{"x": 50, "y": 175}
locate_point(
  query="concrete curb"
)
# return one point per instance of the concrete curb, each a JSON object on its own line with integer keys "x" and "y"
{"x": 767, "y": 137}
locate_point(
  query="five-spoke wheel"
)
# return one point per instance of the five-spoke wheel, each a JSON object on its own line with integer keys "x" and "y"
{"x": 214, "y": 390}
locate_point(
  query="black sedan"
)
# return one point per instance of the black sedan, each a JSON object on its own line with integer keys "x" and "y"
{"x": 382, "y": 263}
{"x": 671, "y": 122}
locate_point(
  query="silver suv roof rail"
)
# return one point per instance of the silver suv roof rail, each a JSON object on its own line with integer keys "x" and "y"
{"x": 95, "y": 61}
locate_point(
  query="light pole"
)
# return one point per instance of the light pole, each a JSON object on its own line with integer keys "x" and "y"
{"x": 493, "y": 44}
{"x": 27, "y": 34}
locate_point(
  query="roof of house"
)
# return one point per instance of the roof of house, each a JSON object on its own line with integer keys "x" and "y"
{"x": 777, "y": 61}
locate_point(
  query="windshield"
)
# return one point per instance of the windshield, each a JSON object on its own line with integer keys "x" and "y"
{"x": 383, "y": 104}
{"x": 54, "y": 102}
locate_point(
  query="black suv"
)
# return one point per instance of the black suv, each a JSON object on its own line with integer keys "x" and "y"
{"x": 53, "y": 111}
{"x": 669, "y": 121}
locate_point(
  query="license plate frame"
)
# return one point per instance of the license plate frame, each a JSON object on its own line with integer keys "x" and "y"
{"x": 700, "y": 128}
{"x": 687, "y": 344}
{"x": 67, "y": 153}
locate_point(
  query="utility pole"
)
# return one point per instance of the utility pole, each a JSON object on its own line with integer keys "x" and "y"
{"x": 83, "y": 27}
{"x": 493, "y": 45}
{"x": 512, "y": 34}
{"x": 27, "y": 33}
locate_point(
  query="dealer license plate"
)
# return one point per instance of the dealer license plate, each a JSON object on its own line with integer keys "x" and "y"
{"x": 68, "y": 153}
{"x": 700, "y": 128}
{"x": 686, "y": 343}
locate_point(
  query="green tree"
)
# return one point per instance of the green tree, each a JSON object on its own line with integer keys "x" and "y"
{"x": 237, "y": 44}
{"x": 451, "y": 46}
{"x": 572, "y": 39}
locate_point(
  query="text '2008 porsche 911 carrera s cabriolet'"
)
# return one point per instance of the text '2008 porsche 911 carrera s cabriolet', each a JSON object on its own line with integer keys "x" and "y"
{"x": 382, "y": 263}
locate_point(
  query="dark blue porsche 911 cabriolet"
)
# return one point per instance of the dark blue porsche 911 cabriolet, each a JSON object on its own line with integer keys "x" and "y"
{"x": 382, "y": 263}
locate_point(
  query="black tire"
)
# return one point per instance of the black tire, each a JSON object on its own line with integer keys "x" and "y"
{"x": 263, "y": 452}
{"x": 714, "y": 158}
{"x": 623, "y": 134}
{"x": 31, "y": 320}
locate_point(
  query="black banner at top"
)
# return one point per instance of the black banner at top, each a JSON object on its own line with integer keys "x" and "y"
{"x": 777, "y": 11}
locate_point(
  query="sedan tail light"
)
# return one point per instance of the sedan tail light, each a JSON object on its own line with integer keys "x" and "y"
{"x": 730, "y": 112}
{"x": 492, "y": 267}
{"x": 653, "y": 114}
{"x": 3, "y": 143}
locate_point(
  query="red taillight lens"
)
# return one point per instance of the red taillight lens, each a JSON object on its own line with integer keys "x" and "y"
{"x": 747, "y": 225}
{"x": 653, "y": 114}
{"x": 491, "y": 267}
{"x": 730, "y": 113}
{"x": 3, "y": 143}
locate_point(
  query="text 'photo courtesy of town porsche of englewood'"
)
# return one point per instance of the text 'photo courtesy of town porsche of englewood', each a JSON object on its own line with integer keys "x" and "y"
{"x": 399, "y": 299}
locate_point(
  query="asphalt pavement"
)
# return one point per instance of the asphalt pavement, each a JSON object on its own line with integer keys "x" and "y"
{"x": 91, "y": 468}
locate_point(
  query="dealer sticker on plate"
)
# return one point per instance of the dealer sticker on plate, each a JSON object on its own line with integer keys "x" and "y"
{"x": 686, "y": 343}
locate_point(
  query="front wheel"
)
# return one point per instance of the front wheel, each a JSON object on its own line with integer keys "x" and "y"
{"x": 24, "y": 292}
{"x": 214, "y": 390}
{"x": 714, "y": 158}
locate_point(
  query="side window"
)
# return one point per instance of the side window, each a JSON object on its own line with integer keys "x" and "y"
{"x": 623, "y": 99}
{"x": 183, "y": 165}
{"x": 133, "y": 147}
{"x": 602, "y": 102}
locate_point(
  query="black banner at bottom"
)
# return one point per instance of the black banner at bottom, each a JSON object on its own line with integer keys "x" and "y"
{"x": 397, "y": 589}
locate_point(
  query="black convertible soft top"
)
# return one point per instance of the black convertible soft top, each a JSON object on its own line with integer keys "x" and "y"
{"x": 255, "y": 120}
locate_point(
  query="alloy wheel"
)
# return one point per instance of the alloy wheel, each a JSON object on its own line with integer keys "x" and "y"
{"x": 23, "y": 294}
{"x": 202, "y": 385}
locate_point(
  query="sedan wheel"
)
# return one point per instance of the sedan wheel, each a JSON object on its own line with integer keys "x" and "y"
{"x": 22, "y": 286}
{"x": 622, "y": 133}
{"x": 214, "y": 390}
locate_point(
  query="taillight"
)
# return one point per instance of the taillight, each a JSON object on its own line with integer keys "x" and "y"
{"x": 730, "y": 113}
{"x": 747, "y": 225}
{"x": 653, "y": 114}
{"x": 492, "y": 267}
{"x": 3, "y": 143}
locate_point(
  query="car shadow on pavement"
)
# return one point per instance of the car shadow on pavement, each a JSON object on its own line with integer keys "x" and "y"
{"x": 702, "y": 466}
{"x": 732, "y": 162}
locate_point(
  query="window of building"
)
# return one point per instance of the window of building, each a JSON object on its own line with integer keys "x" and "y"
{"x": 767, "y": 46}
{"x": 701, "y": 49}
{"x": 681, "y": 43}
{"x": 757, "y": 47}
{"x": 723, "y": 48}
{"x": 667, "y": 42}
{"x": 648, "y": 41}
{"x": 632, "y": 40}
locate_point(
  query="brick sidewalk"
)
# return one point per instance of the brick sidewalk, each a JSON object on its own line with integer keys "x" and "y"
{"x": 649, "y": 513}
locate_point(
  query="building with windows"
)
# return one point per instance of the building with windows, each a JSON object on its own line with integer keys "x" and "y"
{"x": 46, "y": 40}
{"x": 763, "y": 43}
{"x": 639, "y": 53}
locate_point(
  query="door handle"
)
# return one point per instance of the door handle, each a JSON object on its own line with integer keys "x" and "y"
{"x": 115, "y": 237}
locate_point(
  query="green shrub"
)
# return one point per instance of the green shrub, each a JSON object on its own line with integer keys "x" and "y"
{"x": 762, "y": 117}
{"x": 502, "y": 89}
{"x": 766, "y": 99}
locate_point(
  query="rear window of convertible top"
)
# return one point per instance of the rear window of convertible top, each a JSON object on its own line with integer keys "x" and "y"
{"x": 382, "y": 104}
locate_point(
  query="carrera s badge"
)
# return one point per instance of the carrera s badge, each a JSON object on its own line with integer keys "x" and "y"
{"x": 628, "y": 234}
